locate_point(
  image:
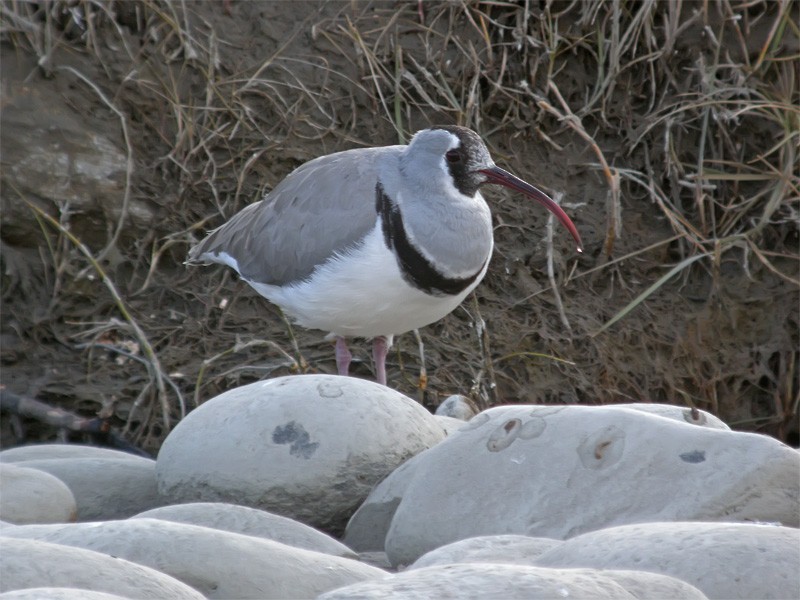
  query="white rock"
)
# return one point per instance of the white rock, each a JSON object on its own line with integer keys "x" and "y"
{"x": 511, "y": 582}
{"x": 220, "y": 564}
{"x": 723, "y": 560}
{"x": 449, "y": 424}
{"x": 308, "y": 447}
{"x": 33, "y": 496}
{"x": 250, "y": 521}
{"x": 64, "y": 451}
{"x": 502, "y": 549}
{"x": 32, "y": 563}
{"x": 58, "y": 593}
{"x": 105, "y": 488}
{"x": 679, "y": 413}
{"x": 458, "y": 407}
{"x": 560, "y": 471}
{"x": 367, "y": 529}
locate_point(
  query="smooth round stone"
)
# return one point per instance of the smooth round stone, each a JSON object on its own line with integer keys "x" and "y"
{"x": 308, "y": 447}
{"x": 513, "y": 582}
{"x": 504, "y": 549}
{"x": 558, "y": 472}
{"x": 26, "y": 563}
{"x": 449, "y": 424}
{"x": 723, "y": 560}
{"x": 683, "y": 414}
{"x": 58, "y": 593}
{"x": 458, "y": 407}
{"x": 33, "y": 496}
{"x": 250, "y": 521}
{"x": 105, "y": 488}
{"x": 64, "y": 451}
{"x": 219, "y": 564}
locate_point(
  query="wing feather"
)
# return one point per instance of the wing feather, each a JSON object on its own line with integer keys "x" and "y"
{"x": 322, "y": 208}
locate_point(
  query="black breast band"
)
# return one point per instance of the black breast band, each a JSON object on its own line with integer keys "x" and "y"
{"x": 416, "y": 269}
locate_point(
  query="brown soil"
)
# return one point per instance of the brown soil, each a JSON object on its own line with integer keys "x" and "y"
{"x": 222, "y": 102}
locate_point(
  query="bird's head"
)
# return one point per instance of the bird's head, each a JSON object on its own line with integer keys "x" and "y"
{"x": 458, "y": 153}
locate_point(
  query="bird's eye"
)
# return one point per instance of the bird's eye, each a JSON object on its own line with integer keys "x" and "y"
{"x": 453, "y": 156}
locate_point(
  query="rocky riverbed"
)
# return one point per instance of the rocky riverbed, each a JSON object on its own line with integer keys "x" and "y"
{"x": 335, "y": 487}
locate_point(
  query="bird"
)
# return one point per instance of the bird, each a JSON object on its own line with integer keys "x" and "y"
{"x": 372, "y": 242}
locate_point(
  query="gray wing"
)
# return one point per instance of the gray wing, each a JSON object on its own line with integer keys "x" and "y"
{"x": 323, "y": 207}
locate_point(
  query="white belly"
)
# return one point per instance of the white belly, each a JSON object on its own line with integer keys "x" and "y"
{"x": 362, "y": 294}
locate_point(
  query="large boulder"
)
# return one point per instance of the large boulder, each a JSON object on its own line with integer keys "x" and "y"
{"x": 33, "y": 496}
{"x": 516, "y": 582}
{"x": 723, "y": 560}
{"x": 105, "y": 488}
{"x": 560, "y": 471}
{"x": 26, "y": 563}
{"x": 309, "y": 447}
{"x": 250, "y": 521}
{"x": 220, "y": 564}
{"x": 366, "y": 531}
{"x": 55, "y": 154}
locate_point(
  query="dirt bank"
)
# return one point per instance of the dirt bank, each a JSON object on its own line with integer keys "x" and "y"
{"x": 137, "y": 127}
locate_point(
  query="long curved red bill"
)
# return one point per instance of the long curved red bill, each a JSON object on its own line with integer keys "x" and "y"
{"x": 502, "y": 177}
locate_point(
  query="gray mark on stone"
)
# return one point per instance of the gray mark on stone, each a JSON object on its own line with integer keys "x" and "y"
{"x": 693, "y": 457}
{"x": 295, "y": 434}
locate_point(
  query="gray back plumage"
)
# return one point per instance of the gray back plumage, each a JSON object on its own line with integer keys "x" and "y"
{"x": 323, "y": 207}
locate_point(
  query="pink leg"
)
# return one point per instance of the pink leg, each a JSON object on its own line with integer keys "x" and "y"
{"x": 343, "y": 356}
{"x": 380, "y": 348}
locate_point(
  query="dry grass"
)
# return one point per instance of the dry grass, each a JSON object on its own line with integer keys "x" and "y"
{"x": 670, "y": 130}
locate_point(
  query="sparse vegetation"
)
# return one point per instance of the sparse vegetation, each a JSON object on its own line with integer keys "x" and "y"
{"x": 669, "y": 131}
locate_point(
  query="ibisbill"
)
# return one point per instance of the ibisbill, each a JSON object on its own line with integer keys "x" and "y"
{"x": 372, "y": 242}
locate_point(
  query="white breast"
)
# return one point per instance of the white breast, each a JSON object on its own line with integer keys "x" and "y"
{"x": 361, "y": 294}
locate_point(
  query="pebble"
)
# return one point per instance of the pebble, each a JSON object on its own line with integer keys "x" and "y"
{"x": 458, "y": 407}
{"x": 105, "y": 488}
{"x": 33, "y": 496}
